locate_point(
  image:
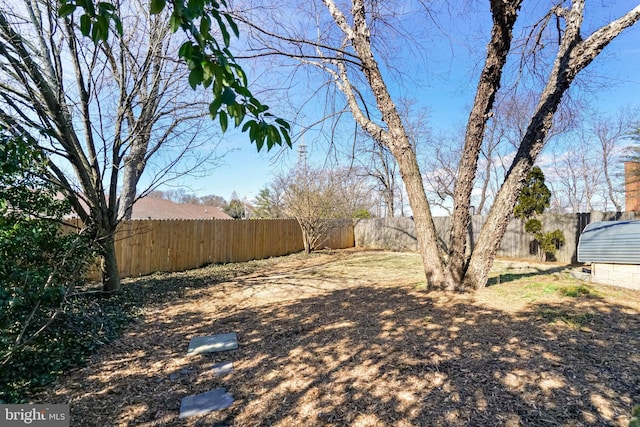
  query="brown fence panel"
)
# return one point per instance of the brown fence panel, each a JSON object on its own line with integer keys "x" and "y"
{"x": 147, "y": 246}
{"x": 341, "y": 237}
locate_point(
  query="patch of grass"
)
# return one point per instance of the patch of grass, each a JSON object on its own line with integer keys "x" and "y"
{"x": 505, "y": 277}
{"x": 542, "y": 288}
{"x": 533, "y": 286}
{"x": 381, "y": 266}
{"x": 576, "y": 291}
{"x": 539, "y": 289}
{"x": 570, "y": 319}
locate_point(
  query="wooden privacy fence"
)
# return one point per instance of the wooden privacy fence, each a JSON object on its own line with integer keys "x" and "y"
{"x": 147, "y": 246}
{"x": 399, "y": 233}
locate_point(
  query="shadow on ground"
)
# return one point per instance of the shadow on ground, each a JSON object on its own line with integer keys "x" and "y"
{"x": 513, "y": 276}
{"x": 372, "y": 356}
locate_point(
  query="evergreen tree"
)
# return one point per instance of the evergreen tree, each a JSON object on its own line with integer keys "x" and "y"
{"x": 533, "y": 200}
{"x": 268, "y": 204}
{"x": 535, "y": 196}
{"x": 235, "y": 208}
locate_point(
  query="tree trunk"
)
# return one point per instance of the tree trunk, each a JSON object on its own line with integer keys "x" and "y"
{"x": 504, "y": 16}
{"x": 306, "y": 242}
{"x": 133, "y": 167}
{"x": 389, "y": 197}
{"x": 530, "y": 147}
{"x": 128, "y": 194}
{"x": 423, "y": 222}
{"x": 110, "y": 272}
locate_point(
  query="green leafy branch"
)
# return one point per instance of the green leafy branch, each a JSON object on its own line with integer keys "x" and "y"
{"x": 94, "y": 22}
{"x": 210, "y": 62}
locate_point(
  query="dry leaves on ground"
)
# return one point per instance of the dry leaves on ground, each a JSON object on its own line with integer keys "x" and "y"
{"x": 350, "y": 339}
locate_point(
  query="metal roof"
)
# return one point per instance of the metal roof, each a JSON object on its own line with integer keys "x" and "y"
{"x": 613, "y": 242}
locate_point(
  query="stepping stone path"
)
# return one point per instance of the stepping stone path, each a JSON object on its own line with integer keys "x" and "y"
{"x": 213, "y": 343}
{"x": 203, "y": 403}
{"x": 223, "y": 368}
{"x": 218, "y": 398}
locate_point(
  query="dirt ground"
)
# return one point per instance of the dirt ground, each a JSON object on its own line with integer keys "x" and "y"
{"x": 352, "y": 339}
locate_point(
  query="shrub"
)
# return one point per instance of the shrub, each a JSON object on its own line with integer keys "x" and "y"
{"x": 39, "y": 267}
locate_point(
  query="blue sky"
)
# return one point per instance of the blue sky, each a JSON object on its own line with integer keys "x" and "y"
{"x": 446, "y": 89}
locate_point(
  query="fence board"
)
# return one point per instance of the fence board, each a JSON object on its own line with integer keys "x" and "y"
{"x": 147, "y": 246}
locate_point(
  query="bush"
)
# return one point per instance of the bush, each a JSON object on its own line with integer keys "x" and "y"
{"x": 550, "y": 242}
{"x": 85, "y": 321}
{"x": 39, "y": 268}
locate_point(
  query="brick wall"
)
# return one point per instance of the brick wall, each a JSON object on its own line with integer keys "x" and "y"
{"x": 632, "y": 186}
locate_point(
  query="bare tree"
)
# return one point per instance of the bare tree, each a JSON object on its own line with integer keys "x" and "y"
{"x": 575, "y": 177}
{"x": 211, "y": 200}
{"x": 575, "y": 51}
{"x": 105, "y": 112}
{"x": 584, "y": 175}
{"x": 381, "y": 167}
{"x": 610, "y": 133}
{"x": 376, "y": 160}
{"x": 346, "y": 43}
{"x": 504, "y": 130}
{"x": 440, "y": 170}
{"x": 321, "y": 200}
{"x": 181, "y": 195}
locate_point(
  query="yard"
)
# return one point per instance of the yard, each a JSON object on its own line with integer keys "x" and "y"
{"x": 351, "y": 338}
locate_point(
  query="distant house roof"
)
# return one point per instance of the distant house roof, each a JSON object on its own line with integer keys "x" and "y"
{"x": 150, "y": 208}
{"x": 611, "y": 242}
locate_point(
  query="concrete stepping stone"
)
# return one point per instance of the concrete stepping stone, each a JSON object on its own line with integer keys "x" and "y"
{"x": 223, "y": 368}
{"x": 213, "y": 343}
{"x": 203, "y": 403}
